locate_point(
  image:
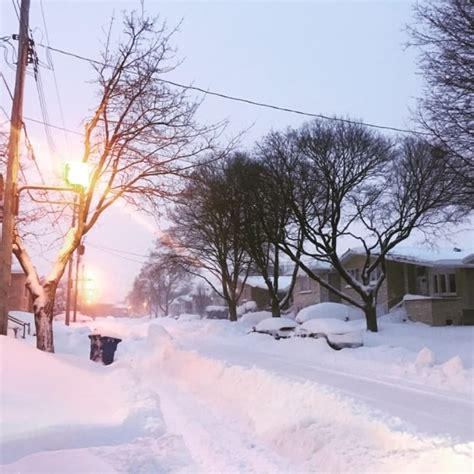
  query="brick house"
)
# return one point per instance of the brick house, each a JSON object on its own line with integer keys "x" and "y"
{"x": 256, "y": 290}
{"x": 308, "y": 292}
{"x": 436, "y": 287}
{"x": 18, "y": 296}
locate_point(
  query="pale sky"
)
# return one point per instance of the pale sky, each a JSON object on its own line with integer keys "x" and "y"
{"x": 344, "y": 58}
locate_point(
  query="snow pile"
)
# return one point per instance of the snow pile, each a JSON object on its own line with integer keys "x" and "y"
{"x": 252, "y": 319}
{"x": 313, "y": 427}
{"x": 80, "y": 318}
{"x": 53, "y": 394}
{"x": 329, "y": 310}
{"x": 189, "y": 317}
{"x": 202, "y": 396}
{"x": 425, "y": 358}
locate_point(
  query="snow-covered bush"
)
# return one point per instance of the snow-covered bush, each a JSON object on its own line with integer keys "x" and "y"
{"x": 329, "y": 310}
{"x": 247, "y": 307}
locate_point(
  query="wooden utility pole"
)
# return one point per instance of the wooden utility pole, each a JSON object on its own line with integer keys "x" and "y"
{"x": 11, "y": 177}
{"x": 67, "y": 317}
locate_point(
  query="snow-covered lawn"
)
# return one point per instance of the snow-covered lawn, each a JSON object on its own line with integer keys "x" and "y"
{"x": 199, "y": 396}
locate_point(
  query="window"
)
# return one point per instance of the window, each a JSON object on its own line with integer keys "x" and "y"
{"x": 444, "y": 283}
{"x": 354, "y": 273}
{"x": 374, "y": 276}
{"x": 305, "y": 283}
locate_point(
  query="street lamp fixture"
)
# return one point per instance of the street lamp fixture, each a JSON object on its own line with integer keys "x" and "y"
{"x": 77, "y": 173}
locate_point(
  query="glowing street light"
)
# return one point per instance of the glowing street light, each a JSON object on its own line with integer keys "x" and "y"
{"x": 77, "y": 173}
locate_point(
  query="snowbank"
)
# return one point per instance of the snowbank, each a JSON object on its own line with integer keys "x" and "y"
{"x": 329, "y": 310}
{"x": 189, "y": 317}
{"x": 313, "y": 426}
{"x": 43, "y": 391}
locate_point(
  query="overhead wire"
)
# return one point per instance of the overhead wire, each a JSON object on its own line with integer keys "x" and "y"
{"x": 245, "y": 100}
{"x": 50, "y": 60}
{"x": 120, "y": 251}
{"x": 32, "y": 156}
{"x": 116, "y": 253}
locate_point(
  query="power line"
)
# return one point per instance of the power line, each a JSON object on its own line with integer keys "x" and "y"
{"x": 244, "y": 100}
{"x": 6, "y": 85}
{"x": 53, "y": 126}
{"x": 120, "y": 251}
{"x": 16, "y": 10}
{"x": 50, "y": 60}
{"x": 114, "y": 254}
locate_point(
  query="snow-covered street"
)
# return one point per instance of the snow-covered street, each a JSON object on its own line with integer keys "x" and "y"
{"x": 206, "y": 396}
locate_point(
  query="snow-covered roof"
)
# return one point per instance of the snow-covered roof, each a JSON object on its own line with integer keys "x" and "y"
{"x": 256, "y": 281}
{"x": 314, "y": 264}
{"x": 428, "y": 256}
{"x": 185, "y": 298}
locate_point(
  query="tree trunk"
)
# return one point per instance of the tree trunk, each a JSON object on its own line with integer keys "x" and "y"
{"x": 371, "y": 317}
{"x": 276, "y": 311}
{"x": 43, "y": 306}
{"x": 232, "y": 311}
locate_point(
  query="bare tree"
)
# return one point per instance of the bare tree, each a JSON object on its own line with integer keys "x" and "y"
{"x": 343, "y": 180}
{"x": 208, "y": 237}
{"x": 166, "y": 279}
{"x": 444, "y": 32}
{"x": 265, "y": 216}
{"x": 141, "y": 135}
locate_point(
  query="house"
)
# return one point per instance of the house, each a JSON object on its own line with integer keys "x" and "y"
{"x": 436, "y": 287}
{"x": 255, "y": 289}
{"x": 308, "y": 291}
{"x": 18, "y": 297}
{"x": 182, "y": 304}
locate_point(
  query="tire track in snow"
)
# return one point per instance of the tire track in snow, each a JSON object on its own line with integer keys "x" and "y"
{"x": 216, "y": 443}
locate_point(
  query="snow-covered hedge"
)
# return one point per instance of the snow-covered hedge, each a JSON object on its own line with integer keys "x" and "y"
{"x": 247, "y": 307}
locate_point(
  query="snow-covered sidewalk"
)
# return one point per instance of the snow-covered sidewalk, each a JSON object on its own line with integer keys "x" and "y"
{"x": 205, "y": 396}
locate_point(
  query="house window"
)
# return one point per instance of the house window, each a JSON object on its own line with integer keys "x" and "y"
{"x": 357, "y": 274}
{"x": 444, "y": 283}
{"x": 354, "y": 273}
{"x": 374, "y": 276}
{"x": 305, "y": 283}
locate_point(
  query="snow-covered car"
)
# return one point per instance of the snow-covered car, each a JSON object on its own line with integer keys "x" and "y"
{"x": 338, "y": 334}
{"x": 276, "y": 327}
{"x": 330, "y": 310}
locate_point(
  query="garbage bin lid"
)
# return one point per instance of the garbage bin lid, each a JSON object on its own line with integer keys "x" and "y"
{"x": 104, "y": 332}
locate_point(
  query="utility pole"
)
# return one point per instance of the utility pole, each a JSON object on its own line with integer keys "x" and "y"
{"x": 69, "y": 271}
{"x": 11, "y": 177}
